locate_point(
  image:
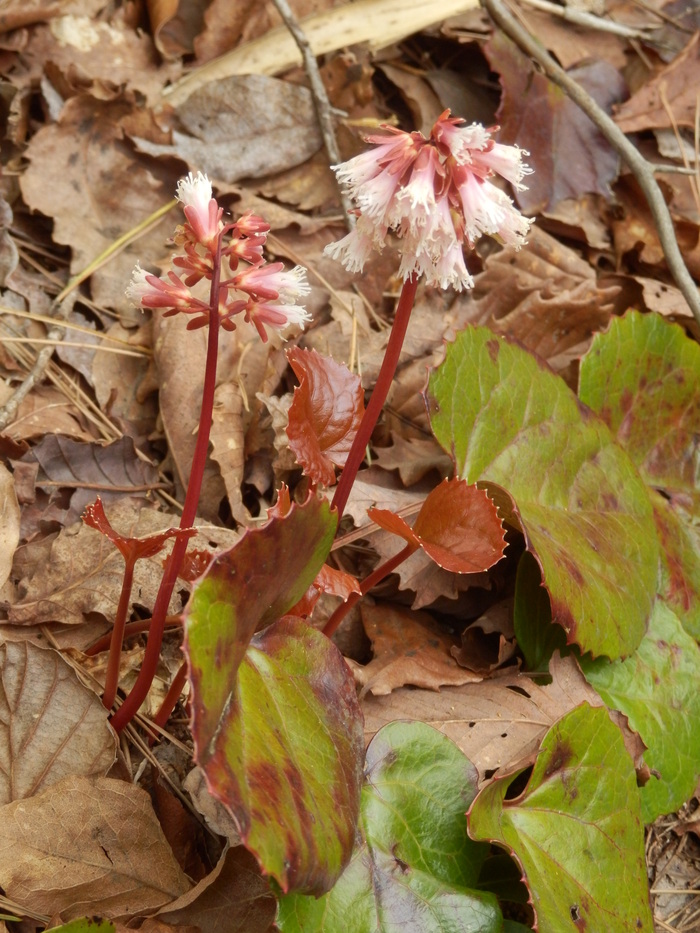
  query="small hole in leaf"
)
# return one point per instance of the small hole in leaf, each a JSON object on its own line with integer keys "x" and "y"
{"x": 518, "y": 784}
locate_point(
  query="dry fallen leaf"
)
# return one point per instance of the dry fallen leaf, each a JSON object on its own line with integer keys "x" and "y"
{"x": 245, "y": 126}
{"x": 233, "y": 898}
{"x": 495, "y": 723}
{"x": 409, "y": 648}
{"x": 9, "y": 522}
{"x": 51, "y": 726}
{"x": 84, "y": 846}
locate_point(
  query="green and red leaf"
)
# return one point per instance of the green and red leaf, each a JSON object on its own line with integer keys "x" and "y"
{"x": 275, "y": 719}
{"x": 576, "y": 828}
{"x": 642, "y": 376}
{"x": 413, "y": 867}
{"x": 514, "y": 426}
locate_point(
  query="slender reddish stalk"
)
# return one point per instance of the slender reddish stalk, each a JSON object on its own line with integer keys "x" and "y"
{"x": 381, "y": 390}
{"x": 133, "y": 701}
{"x": 172, "y": 696}
{"x": 367, "y": 584}
{"x": 117, "y": 637}
{"x": 130, "y": 629}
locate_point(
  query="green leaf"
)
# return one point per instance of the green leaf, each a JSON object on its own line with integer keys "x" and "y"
{"x": 512, "y": 424}
{"x": 85, "y": 925}
{"x": 414, "y": 865}
{"x": 658, "y": 689}
{"x": 276, "y": 723}
{"x": 643, "y": 377}
{"x": 679, "y": 584}
{"x": 576, "y": 829}
{"x": 537, "y": 637}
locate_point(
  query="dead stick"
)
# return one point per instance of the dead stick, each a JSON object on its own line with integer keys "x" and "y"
{"x": 320, "y": 98}
{"x": 638, "y": 165}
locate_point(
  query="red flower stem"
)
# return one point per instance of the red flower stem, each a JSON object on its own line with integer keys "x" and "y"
{"x": 117, "y": 637}
{"x": 171, "y": 697}
{"x": 381, "y": 390}
{"x": 367, "y": 584}
{"x": 130, "y": 629}
{"x": 139, "y": 691}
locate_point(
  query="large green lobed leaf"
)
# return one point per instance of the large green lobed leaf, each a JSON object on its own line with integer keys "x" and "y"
{"x": 414, "y": 866}
{"x": 276, "y": 723}
{"x": 511, "y": 423}
{"x": 643, "y": 377}
{"x": 658, "y": 689}
{"x": 576, "y": 829}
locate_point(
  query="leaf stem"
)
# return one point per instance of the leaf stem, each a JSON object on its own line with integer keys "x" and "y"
{"x": 139, "y": 691}
{"x": 117, "y": 637}
{"x": 381, "y": 390}
{"x": 367, "y": 584}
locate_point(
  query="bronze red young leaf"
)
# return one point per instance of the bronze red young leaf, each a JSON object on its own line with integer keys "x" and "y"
{"x": 458, "y": 527}
{"x": 324, "y": 416}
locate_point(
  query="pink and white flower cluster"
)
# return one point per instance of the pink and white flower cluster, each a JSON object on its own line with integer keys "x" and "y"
{"x": 435, "y": 194}
{"x": 263, "y": 292}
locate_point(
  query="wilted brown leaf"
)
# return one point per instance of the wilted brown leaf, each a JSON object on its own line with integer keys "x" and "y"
{"x": 87, "y": 846}
{"x": 409, "y": 648}
{"x": 51, "y": 726}
{"x": 234, "y": 898}
{"x": 670, "y": 96}
{"x": 9, "y": 522}
{"x": 495, "y": 723}
{"x": 83, "y": 173}
{"x": 245, "y": 126}
{"x": 85, "y": 571}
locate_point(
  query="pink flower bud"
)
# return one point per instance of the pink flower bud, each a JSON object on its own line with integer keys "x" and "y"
{"x": 200, "y": 208}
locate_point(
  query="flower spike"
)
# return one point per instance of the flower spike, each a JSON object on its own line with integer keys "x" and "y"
{"x": 435, "y": 194}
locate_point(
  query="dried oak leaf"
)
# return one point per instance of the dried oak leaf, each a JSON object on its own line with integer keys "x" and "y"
{"x": 84, "y": 846}
{"x": 409, "y": 648}
{"x": 667, "y": 100}
{"x": 495, "y": 723}
{"x": 233, "y": 898}
{"x": 84, "y": 174}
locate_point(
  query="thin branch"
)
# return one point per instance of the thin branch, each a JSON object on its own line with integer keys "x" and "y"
{"x": 638, "y": 165}
{"x": 324, "y": 111}
{"x": 591, "y": 21}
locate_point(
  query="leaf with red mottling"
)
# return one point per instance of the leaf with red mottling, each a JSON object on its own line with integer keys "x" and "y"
{"x": 642, "y": 376}
{"x": 679, "y": 581}
{"x": 325, "y": 414}
{"x": 576, "y": 828}
{"x": 275, "y": 719}
{"x": 413, "y": 868}
{"x": 458, "y": 527}
{"x": 512, "y": 424}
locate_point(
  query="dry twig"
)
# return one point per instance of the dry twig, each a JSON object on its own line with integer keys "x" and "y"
{"x": 640, "y": 168}
{"x": 324, "y": 111}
